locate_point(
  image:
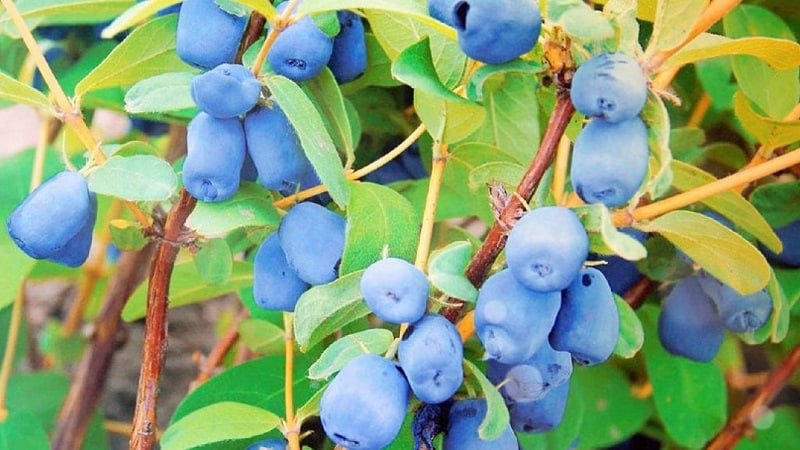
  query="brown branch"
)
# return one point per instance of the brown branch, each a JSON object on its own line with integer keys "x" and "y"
{"x": 209, "y": 364}
{"x": 495, "y": 240}
{"x": 740, "y": 424}
{"x": 636, "y": 295}
{"x": 143, "y": 434}
{"x": 89, "y": 381}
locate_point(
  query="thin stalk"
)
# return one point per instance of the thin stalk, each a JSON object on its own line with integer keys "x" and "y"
{"x": 37, "y": 172}
{"x": 11, "y": 347}
{"x": 560, "y": 170}
{"x": 292, "y": 431}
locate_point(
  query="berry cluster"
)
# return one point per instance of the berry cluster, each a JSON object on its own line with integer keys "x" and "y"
{"x": 305, "y": 251}
{"x": 543, "y": 312}
{"x": 700, "y": 308}
{"x": 610, "y": 156}
{"x": 238, "y": 134}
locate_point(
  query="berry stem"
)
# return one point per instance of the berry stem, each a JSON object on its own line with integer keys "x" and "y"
{"x": 560, "y": 170}
{"x": 37, "y": 172}
{"x": 11, "y": 347}
{"x": 155, "y": 333}
{"x": 686, "y": 198}
{"x": 355, "y": 175}
{"x": 278, "y": 24}
{"x": 292, "y": 431}
{"x": 92, "y": 372}
{"x": 741, "y": 422}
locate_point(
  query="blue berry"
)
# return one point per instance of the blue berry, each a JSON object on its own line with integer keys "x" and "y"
{"x": 301, "y": 51}
{"x": 214, "y": 158}
{"x": 462, "y": 429}
{"x": 226, "y": 91}
{"x": 610, "y": 86}
{"x": 312, "y": 238}
{"x": 689, "y": 325}
{"x": 275, "y": 148}
{"x": 496, "y": 31}
{"x": 207, "y": 36}
{"x": 395, "y": 290}
{"x": 276, "y": 286}
{"x": 349, "y": 55}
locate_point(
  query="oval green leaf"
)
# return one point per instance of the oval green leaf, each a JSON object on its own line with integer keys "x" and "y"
{"x": 446, "y": 271}
{"x": 336, "y": 355}
{"x": 202, "y": 426}
{"x": 134, "y": 178}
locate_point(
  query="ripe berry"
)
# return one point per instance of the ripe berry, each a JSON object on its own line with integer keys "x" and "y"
{"x": 226, "y": 91}
{"x": 441, "y": 10}
{"x": 689, "y": 325}
{"x": 214, "y": 158}
{"x": 540, "y": 415}
{"x": 553, "y": 367}
{"x": 430, "y": 354}
{"x": 587, "y": 325}
{"x": 275, "y": 148}
{"x": 312, "y": 238}
{"x": 547, "y": 248}
{"x": 51, "y": 216}
{"x": 620, "y": 273}
{"x": 609, "y": 161}
{"x": 610, "y": 86}
{"x": 365, "y": 404}
{"x": 739, "y": 313}
{"x": 462, "y": 428}
{"x": 276, "y": 286}
{"x": 301, "y": 51}
{"x": 520, "y": 382}
{"x": 215, "y": 47}
{"x": 496, "y": 31}
{"x": 511, "y": 320}
{"x": 77, "y": 249}
{"x": 790, "y": 237}
{"x": 349, "y": 56}
{"x": 395, "y": 290}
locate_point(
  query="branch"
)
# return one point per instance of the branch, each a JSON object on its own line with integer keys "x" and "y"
{"x": 495, "y": 241}
{"x": 215, "y": 356}
{"x": 92, "y": 372}
{"x": 636, "y": 295}
{"x": 741, "y": 423}
{"x": 144, "y": 420}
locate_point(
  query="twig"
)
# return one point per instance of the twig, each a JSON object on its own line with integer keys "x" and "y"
{"x": 495, "y": 240}
{"x": 741, "y": 423}
{"x": 215, "y": 356}
{"x": 11, "y": 347}
{"x": 155, "y": 345}
{"x": 291, "y": 427}
{"x": 92, "y": 372}
{"x": 639, "y": 292}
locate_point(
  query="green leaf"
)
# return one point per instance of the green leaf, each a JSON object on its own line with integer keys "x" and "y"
{"x": 21, "y": 430}
{"x": 330, "y": 103}
{"x": 730, "y": 204}
{"x": 19, "y": 92}
{"x": 259, "y": 383}
{"x": 336, "y": 355}
{"x": 187, "y": 287}
{"x": 378, "y": 219}
{"x": 264, "y": 8}
{"x": 40, "y": 394}
{"x": 323, "y": 309}
{"x": 771, "y": 133}
{"x": 161, "y": 93}
{"x": 408, "y": 8}
{"x": 673, "y": 20}
{"x": 779, "y": 203}
{"x": 581, "y": 22}
{"x": 656, "y": 117}
{"x": 135, "y": 178}
{"x": 631, "y": 333}
{"x": 611, "y": 411}
{"x": 448, "y": 116}
{"x": 316, "y": 141}
{"x": 311, "y": 407}
{"x": 126, "y": 234}
{"x": 690, "y": 397}
{"x": 503, "y": 172}
{"x": 73, "y": 12}
{"x": 446, "y": 271}
{"x": 202, "y": 426}
{"x": 774, "y": 91}
{"x": 497, "y": 418}
{"x": 773, "y": 428}
{"x": 135, "y": 15}
{"x": 781, "y": 54}
{"x": 397, "y": 32}
{"x": 251, "y": 206}
{"x": 789, "y": 281}
{"x": 262, "y": 337}
{"x": 720, "y": 251}
{"x": 214, "y": 261}
{"x": 149, "y": 50}
{"x": 604, "y": 238}
{"x": 512, "y": 109}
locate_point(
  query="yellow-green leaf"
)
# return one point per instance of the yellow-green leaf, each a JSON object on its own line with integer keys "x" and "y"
{"x": 203, "y": 426}
{"x": 135, "y": 15}
{"x": 781, "y": 54}
{"x": 720, "y": 251}
{"x": 769, "y": 132}
{"x": 19, "y": 92}
{"x": 673, "y": 20}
